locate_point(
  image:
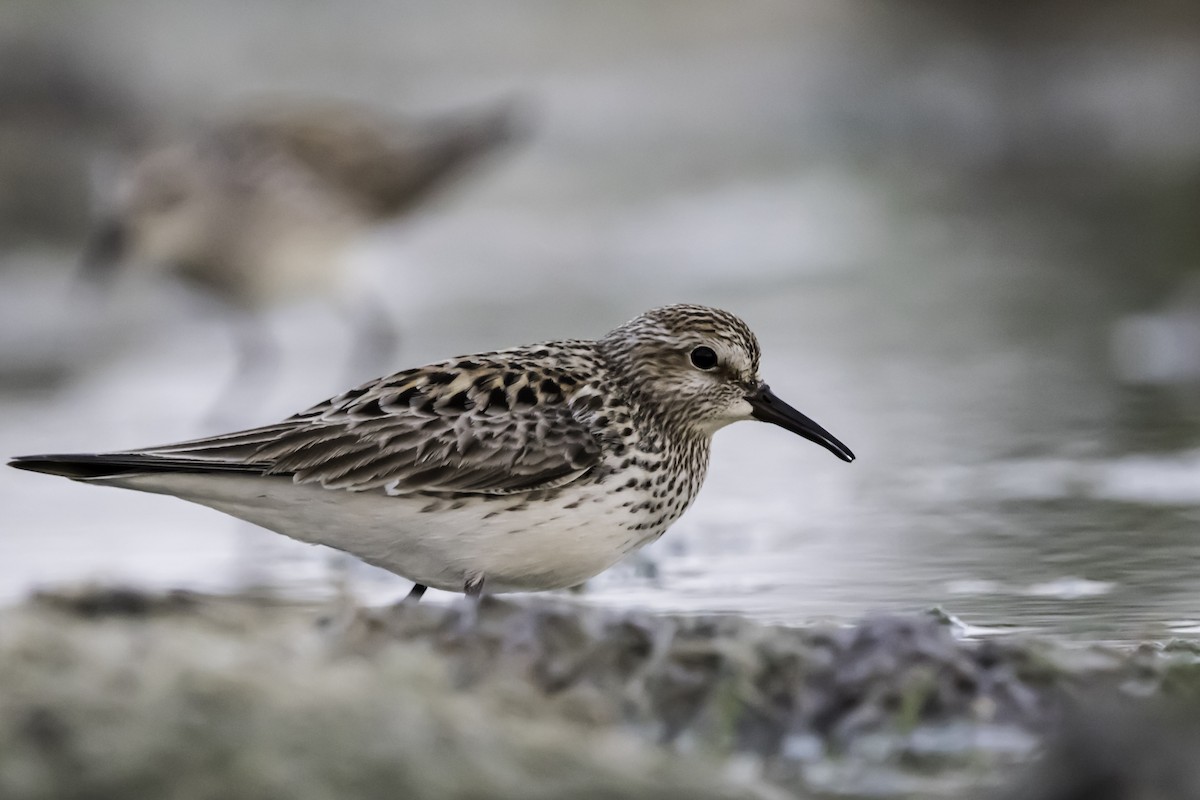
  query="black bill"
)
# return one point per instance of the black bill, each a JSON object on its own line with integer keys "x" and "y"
{"x": 769, "y": 408}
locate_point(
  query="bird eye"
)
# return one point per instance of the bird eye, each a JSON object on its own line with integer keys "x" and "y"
{"x": 704, "y": 357}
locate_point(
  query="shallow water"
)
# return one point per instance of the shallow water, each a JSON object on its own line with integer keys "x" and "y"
{"x": 962, "y": 347}
{"x": 1004, "y": 480}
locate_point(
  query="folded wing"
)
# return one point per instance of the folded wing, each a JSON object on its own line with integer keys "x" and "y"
{"x": 422, "y": 431}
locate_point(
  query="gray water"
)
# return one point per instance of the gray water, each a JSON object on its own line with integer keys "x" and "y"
{"x": 1024, "y": 460}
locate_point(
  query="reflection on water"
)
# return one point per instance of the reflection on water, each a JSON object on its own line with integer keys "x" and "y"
{"x": 958, "y": 339}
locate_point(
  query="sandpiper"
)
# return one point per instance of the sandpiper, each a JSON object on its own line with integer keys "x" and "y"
{"x": 524, "y": 469}
{"x": 258, "y": 207}
{"x": 261, "y": 208}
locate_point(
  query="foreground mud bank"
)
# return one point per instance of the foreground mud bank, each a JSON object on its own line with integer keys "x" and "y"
{"x": 109, "y": 693}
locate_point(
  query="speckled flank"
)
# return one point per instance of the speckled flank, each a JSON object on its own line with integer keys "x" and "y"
{"x": 531, "y": 468}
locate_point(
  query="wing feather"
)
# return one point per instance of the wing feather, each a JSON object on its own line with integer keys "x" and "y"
{"x": 385, "y": 164}
{"x": 421, "y": 431}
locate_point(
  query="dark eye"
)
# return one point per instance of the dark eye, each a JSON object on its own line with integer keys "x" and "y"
{"x": 704, "y": 357}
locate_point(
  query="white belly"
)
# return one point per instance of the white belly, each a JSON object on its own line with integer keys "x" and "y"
{"x": 512, "y": 544}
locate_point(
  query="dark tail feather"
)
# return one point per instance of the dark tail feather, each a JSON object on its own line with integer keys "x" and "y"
{"x": 86, "y": 466}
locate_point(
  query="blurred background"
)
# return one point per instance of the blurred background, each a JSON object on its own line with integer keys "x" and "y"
{"x": 966, "y": 235}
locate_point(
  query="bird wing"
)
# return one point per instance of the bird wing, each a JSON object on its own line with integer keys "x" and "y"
{"x": 385, "y": 164}
{"x": 486, "y": 431}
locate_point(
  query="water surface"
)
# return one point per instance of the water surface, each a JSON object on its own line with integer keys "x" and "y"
{"x": 953, "y": 325}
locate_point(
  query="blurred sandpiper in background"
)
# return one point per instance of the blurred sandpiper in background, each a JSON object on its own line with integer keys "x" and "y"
{"x": 966, "y": 234}
{"x": 264, "y": 207}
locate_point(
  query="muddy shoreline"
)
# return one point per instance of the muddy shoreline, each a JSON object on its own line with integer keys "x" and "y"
{"x": 116, "y": 693}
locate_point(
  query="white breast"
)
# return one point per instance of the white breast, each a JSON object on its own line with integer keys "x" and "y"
{"x": 513, "y": 542}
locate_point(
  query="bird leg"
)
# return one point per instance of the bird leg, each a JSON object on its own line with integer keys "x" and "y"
{"x": 255, "y": 368}
{"x": 414, "y": 596}
{"x": 375, "y": 337}
{"x": 468, "y": 621}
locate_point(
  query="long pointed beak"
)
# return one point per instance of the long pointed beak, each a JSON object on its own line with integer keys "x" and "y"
{"x": 769, "y": 408}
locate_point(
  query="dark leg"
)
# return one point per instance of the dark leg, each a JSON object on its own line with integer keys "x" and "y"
{"x": 468, "y": 621}
{"x": 376, "y": 339}
{"x": 257, "y": 359}
{"x": 414, "y": 597}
